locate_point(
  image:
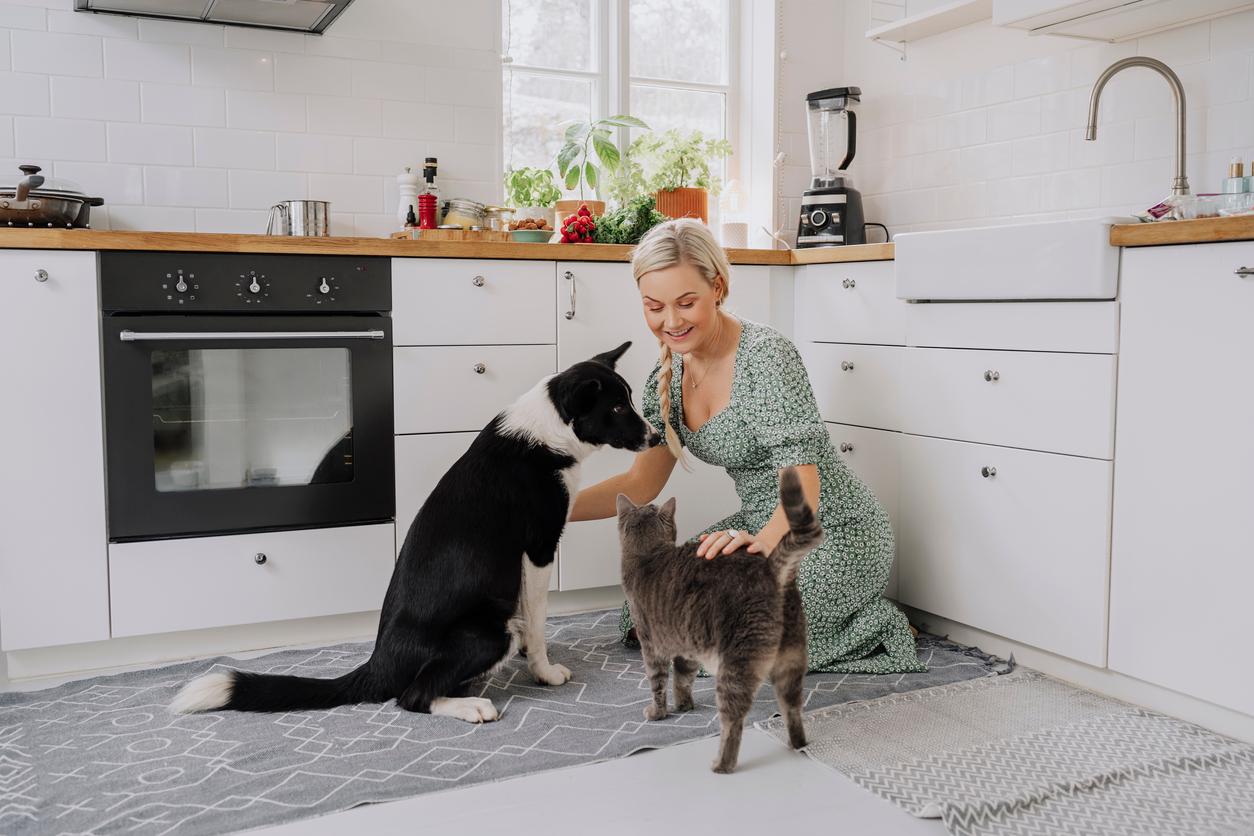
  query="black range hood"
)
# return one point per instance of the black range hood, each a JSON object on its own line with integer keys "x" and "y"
{"x": 312, "y": 16}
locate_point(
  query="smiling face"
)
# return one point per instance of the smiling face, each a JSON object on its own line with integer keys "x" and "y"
{"x": 681, "y": 307}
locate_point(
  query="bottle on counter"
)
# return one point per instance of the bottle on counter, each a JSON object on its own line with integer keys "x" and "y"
{"x": 429, "y": 167}
{"x": 1235, "y": 183}
{"x": 407, "y": 187}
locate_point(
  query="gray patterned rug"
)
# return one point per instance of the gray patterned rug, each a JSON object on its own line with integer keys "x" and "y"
{"x": 103, "y": 755}
{"x": 1027, "y": 755}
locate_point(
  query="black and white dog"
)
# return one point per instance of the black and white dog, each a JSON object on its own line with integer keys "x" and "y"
{"x": 472, "y": 579}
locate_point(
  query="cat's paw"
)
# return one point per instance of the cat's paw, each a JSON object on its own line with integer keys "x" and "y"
{"x": 723, "y": 768}
{"x": 655, "y": 712}
{"x": 685, "y": 705}
{"x": 551, "y": 674}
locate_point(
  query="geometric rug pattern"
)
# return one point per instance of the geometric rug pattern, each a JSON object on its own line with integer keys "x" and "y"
{"x": 104, "y": 755}
{"x": 1028, "y": 755}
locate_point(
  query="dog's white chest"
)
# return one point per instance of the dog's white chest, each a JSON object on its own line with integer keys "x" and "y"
{"x": 570, "y": 476}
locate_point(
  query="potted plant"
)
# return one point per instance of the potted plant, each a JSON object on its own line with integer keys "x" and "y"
{"x": 677, "y": 167}
{"x": 585, "y": 159}
{"x": 532, "y": 192}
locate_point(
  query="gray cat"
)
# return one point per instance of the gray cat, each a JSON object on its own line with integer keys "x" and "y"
{"x": 739, "y": 615}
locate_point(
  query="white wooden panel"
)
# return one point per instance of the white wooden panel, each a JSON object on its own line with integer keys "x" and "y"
{"x": 1082, "y": 327}
{"x": 1062, "y": 403}
{"x": 1023, "y": 553}
{"x": 1182, "y": 569}
{"x": 849, "y": 303}
{"x": 875, "y": 457}
{"x": 437, "y": 389}
{"x": 53, "y": 570}
{"x": 161, "y": 586}
{"x": 464, "y": 301}
{"x": 856, "y": 384}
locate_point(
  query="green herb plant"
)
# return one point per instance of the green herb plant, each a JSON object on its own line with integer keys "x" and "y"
{"x": 588, "y": 153}
{"x": 525, "y": 187}
{"x": 676, "y": 160}
{"x": 628, "y": 223}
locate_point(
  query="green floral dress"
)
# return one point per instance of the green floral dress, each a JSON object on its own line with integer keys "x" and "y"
{"x": 772, "y": 421}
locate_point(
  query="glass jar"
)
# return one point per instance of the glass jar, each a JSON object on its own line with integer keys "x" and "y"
{"x": 497, "y": 218}
{"x": 464, "y": 213}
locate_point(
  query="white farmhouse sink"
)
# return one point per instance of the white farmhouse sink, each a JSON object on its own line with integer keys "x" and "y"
{"x": 1055, "y": 260}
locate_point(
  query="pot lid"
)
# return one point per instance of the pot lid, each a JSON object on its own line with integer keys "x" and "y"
{"x": 50, "y": 187}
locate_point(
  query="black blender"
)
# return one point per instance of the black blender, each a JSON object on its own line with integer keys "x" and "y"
{"x": 831, "y": 209}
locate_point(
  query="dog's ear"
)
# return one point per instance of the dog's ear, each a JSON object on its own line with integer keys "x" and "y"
{"x": 668, "y": 509}
{"x": 610, "y": 358}
{"x": 584, "y": 397}
{"x": 624, "y": 504}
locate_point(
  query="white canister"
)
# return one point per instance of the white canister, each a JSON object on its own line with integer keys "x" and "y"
{"x": 407, "y": 187}
{"x": 735, "y": 234}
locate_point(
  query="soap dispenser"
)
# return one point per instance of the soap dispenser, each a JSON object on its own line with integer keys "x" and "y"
{"x": 1235, "y": 183}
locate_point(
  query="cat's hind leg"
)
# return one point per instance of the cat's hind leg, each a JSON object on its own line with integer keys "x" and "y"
{"x": 788, "y": 677}
{"x": 685, "y": 673}
{"x": 737, "y": 686}
{"x": 657, "y": 666}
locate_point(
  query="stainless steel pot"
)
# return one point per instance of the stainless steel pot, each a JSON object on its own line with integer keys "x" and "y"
{"x": 300, "y": 217}
{"x": 36, "y": 201}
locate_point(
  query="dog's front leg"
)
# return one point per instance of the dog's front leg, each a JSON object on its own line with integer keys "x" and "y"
{"x": 535, "y": 608}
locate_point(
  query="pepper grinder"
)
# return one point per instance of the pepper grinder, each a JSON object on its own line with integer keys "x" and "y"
{"x": 407, "y": 186}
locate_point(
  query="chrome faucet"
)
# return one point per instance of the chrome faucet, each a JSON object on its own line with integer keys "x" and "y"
{"x": 1180, "y": 185}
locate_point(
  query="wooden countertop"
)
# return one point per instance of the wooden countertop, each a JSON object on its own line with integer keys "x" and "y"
{"x": 91, "y": 239}
{"x": 1200, "y": 231}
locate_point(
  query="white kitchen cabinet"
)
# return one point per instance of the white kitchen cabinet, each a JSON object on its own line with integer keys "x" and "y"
{"x": 54, "y": 585}
{"x": 465, "y": 301}
{"x": 875, "y": 457}
{"x": 1182, "y": 569}
{"x": 853, "y": 302}
{"x": 1010, "y": 541}
{"x": 856, "y": 384}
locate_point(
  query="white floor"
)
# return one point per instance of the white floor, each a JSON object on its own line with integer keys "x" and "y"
{"x": 774, "y": 790}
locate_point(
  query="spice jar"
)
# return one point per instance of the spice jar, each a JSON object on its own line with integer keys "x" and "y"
{"x": 464, "y": 213}
{"x": 496, "y": 218}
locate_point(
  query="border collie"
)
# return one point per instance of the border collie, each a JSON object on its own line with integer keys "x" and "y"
{"x": 471, "y": 582}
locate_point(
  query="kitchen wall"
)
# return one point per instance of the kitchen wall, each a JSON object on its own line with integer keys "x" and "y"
{"x": 194, "y": 127}
{"x": 985, "y": 125}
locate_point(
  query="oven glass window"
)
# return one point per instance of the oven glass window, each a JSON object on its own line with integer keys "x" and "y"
{"x": 251, "y": 417}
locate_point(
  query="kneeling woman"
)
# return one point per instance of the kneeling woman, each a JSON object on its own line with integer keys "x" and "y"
{"x": 736, "y": 395}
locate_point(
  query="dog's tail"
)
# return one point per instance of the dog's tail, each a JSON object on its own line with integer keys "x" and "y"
{"x": 804, "y": 533}
{"x": 245, "y": 691}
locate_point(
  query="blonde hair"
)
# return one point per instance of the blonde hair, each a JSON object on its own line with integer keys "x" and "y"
{"x": 681, "y": 241}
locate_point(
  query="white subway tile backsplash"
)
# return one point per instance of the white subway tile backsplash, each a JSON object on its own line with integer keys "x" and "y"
{"x": 1042, "y": 75}
{"x": 936, "y": 169}
{"x": 1066, "y": 190}
{"x": 115, "y": 183}
{"x": 59, "y": 139}
{"x": 238, "y": 221}
{"x": 269, "y": 40}
{"x": 6, "y": 57}
{"x": 95, "y": 98}
{"x": 1230, "y": 126}
{"x": 986, "y": 162}
{"x": 1040, "y": 154}
{"x": 236, "y": 69}
{"x": 151, "y": 218}
{"x": 109, "y": 26}
{"x": 390, "y": 156}
{"x": 1185, "y": 45}
{"x": 265, "y": 111}
{"x": 314, "y": 153}
{"x": 378, "y": 80}
{"x": 24, "y": 94}
{"x": 342, "y": 115}
{"x": 1064, "y": 111}
{"x": 1015, "y": 196}
{"x": 1014, "y": 119}
{"x": 1136, "y": 184}
{"x": 6, "y": 136}
{"x": 178, "y": 32}
{"x": 139, "y": 61}
{"x": 178, "y": 104}
{"x": 334, "y": 47}
{"x": 57, "y": 54}
{"x": 1156, "y": 137}
{"x": 263, "y": 189}
{"x": 455, "y": 86}
{"x": 150, "y": 144}
{"x": 218, "y": 148}
{"x": 313, "y": 74}
{"x": 474, "y": 124}
{"x": 348, "y": 192}
{"x": 1233, "y": 33}
{"x": 1115, "y": 143}
{"x": 417, "y": 120}
{"x": 23, "y": 17}
{"x": 194, "y": 187}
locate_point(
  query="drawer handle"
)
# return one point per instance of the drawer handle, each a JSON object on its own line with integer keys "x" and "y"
{"x": 846, "y": 366}
{"x": 988, "y": 472}
{"x": 41, "y": 275}
{"x": 846, "y": 447}
{"x": 259, "y": 558}
{"x": 477, "y": 281}
{"x": 1240, "y": 271}
{"x": 570, "y": 277}
{"x": 992, "y": 375}
{"x": 480, "y": 368}
{"x": 849, "y": 284}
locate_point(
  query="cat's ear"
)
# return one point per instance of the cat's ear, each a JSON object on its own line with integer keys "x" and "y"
{"x": 668, "y": 509}
{"x": 624, "y": 504}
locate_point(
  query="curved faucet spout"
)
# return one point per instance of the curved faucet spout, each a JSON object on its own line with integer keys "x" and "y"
{"x": 1179, "y": 186}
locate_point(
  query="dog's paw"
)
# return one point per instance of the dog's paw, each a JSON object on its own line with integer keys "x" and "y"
{"x": 655, "y": 712}
{"x": 470, "y": 709}
{"x": 551, "y": 674}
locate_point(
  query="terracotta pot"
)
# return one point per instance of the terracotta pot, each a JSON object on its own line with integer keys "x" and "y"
{"x": 565, "y": 208}
{"x": 684, "y": 203}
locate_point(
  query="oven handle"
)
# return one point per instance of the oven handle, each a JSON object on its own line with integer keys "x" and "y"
{"x": 128, "y": 336}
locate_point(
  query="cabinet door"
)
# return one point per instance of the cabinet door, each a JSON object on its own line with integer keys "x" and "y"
{"x": 53, "y": 566}
{"x": 463, "y": 301}
{"x": 856, "y": 384}
{"x": 875, "y": 457}
{"x": 457, "y": 388}
{"x": 607, "y": 311}
{"x": 1181, "y": 567}
{"x": 850, "y": 303}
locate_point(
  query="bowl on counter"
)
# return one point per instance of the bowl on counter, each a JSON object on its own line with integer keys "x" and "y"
{"x": 531, "y": 236}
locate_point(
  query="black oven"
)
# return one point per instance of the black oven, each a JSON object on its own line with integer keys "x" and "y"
{"x": 246, "y": 392}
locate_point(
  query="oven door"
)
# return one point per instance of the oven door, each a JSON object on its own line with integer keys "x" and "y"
{"x": 220, "y": 424}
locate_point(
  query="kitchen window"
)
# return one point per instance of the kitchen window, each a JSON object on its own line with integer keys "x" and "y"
{"x": 668, "y": 62}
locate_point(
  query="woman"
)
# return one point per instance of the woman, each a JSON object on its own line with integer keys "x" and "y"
{"x": 736, "y": 395}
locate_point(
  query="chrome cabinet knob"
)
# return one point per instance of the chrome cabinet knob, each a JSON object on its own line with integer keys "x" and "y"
{"x": 41, "y": 275}
{"x": 846, "y": 366}
{"x": 846, "y": 447}
{"x": 259, "y": 558}
{"x": 1244, "y": 271}
{"x": 992, "y": 375}
{"x": 477, "y": 281}
{"x": 480, "y": 368}
{"x": 849, "y": 284}
{"x": 988, "y": 472}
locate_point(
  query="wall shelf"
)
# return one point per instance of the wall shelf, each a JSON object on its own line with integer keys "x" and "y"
{"x": 933, "y": 22}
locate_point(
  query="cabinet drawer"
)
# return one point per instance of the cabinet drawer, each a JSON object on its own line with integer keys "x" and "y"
{"x": 849, "y": 303}
{"x": 441, "y": 389}
{"x": 856, "y": 384}
{"x": 1062, "y": 403}
{"x": 1022, "y": 552}
{"x": 1079, "y": 327}
{"x": 461, "y": 301}
{"x": 162, "y": 586}
{"x": 875, "y": 457}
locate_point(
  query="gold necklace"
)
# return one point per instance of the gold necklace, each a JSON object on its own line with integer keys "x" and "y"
{"x": 696, "y": 384}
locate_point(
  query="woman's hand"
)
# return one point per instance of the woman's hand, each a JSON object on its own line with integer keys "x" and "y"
{"x": 726, "y": 542}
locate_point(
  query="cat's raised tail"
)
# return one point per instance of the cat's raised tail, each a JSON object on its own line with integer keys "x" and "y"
{"x": 804, "y": 533}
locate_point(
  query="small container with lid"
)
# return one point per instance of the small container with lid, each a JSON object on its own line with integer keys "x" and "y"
{"x": 428, "y": 211}
{"x": 464, "y": 213}
{"x": 497, "y": 218}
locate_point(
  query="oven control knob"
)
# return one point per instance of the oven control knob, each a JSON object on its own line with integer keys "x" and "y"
{"x": 181, "y": 286}
{"x": 324, "y": 287}
{"x": 254, "y": 287}
{"x": 818, "y": 218}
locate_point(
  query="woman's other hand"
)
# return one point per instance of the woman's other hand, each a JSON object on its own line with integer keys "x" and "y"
{"x": 726, "y": 542}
